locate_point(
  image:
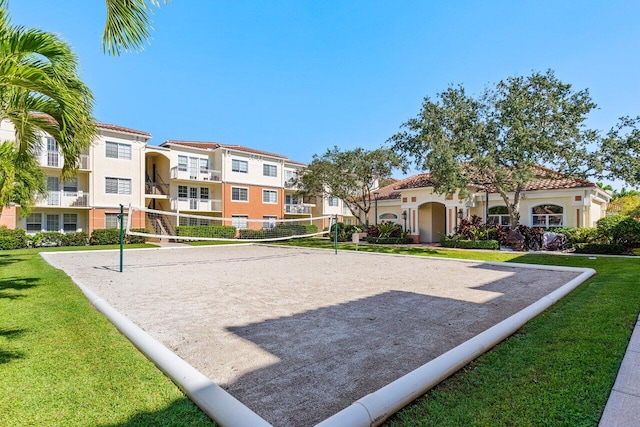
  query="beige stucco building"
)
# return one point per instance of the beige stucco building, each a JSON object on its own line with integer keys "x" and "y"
{"x": 550, "y": 201}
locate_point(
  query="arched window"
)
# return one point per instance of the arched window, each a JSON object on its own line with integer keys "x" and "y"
{"x": 547, "y": 216}
{"x": 388, "y": 217}
{"x": 499, "y": 215}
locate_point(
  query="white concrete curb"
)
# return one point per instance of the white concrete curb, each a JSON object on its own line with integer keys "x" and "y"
{"x": 211, "y": 398}
{"x": 376, "y": 407}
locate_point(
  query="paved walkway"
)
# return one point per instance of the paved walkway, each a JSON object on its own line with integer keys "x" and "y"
{"x": 623, "y": 407}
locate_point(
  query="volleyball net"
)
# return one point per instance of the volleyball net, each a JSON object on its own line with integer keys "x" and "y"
{"x": 178, "y": 226}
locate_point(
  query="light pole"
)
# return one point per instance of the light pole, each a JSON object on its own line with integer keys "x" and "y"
{"x": 375, "y": 203}
{"x": 486, "y": 209}
{"x": 404, "y": 218}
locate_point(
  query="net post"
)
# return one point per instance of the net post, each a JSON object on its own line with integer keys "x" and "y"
{"x": 121, "y": 217}
{"x": 335, "y": 234}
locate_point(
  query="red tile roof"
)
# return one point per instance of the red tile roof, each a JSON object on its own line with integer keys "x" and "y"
{"x": 116, "y": 128}
{"x": 216, "y": 145}
{"x": 546, "y": 179}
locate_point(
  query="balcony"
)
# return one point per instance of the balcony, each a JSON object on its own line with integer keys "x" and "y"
{"x": 198, "y": 205}
{"x": 182, "y": 173}
{"x": 53, "y": 159}
{"x": 65, "y": 199}
{"x": 291, "y": 184}
{"x": 297, "y": 209}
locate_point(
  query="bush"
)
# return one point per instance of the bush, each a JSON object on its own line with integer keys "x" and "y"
{"x": 136, "y": 239}
{"x": 578, "y": 234}
{"x": 46, "y": 238}
{"x": 105, "y": 236}
{"x": 252, "y": 234}
{"x": 218, "y": 231}
{"x": 80, "y": 238}
{"x": 600, "y": 248}
{"x": 385, "y": 230}
{"x": 13, "y": 239}
{"x": 469, "y": 244}
{"x": 620, "y": 230}
{"x": 389, "y": 240}
{"x": 344, "y": 231}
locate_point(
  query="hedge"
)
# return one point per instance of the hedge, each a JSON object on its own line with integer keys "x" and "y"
{"x": 111, "y": 236}
{"x": 217, "y": 231}
{"x": 600, "y": 248}
{"x": 470, "y": 244}
{"x": 13, "y": 239}
{"x": 388, "y": 240}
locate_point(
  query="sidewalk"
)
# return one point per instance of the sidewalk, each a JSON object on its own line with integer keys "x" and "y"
{"x": 623, "y": 407}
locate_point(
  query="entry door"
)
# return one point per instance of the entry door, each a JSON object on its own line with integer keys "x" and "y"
{"x": 193, "y": 198}
{"x": 53, "y": 186}
{"x": 194, "y": 164}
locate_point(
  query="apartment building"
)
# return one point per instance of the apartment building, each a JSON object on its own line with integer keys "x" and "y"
{"x": 110, "y": 173}
{"x": 222, "y": 180}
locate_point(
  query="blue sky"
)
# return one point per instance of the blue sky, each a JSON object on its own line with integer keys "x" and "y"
{"x": 298, "y": 77}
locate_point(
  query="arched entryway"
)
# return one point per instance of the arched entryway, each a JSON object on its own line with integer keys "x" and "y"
{"x": 431, "y": 222}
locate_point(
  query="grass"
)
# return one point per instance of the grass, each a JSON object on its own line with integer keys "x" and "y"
{"x": 558, "y": 370}
{"x": 63, "y": 364}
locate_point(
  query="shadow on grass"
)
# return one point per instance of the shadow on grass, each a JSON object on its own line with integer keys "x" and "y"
{"x": 9, "y": 286}
{"x": 181, "y": 412}
{"x": 9, "y": 355}
{"x": 7, "y": 259}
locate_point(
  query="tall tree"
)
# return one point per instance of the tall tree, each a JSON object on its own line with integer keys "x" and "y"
{"x": 349, "y": 175}
{"x": 128, "y": 24}
{"x": 497, "y": 140}
{"x": 620, "y": 151}
{"x": 40, "y": 92}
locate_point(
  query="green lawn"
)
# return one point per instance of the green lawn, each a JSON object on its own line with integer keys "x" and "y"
{"x": 62, "y": 363}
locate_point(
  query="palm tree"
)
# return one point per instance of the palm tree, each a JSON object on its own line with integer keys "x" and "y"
{"x": 40, "y": 91}
{"x": 128, "y": 24}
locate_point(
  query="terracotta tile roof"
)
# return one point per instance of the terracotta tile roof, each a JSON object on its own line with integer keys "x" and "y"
{"x": 122, "y": 129}
{"x": 392, "y": 191}
{"x": 546, "y": 179}
{"x": 216, "y": 145}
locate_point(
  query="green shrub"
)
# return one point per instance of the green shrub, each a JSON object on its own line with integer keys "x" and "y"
{"x": 128, "y": 239}
{"x": 105, "y": 236}
{"x": 620, "y": 229}
{"x": 389, "y": 240}
{"x": 252, "y": 234}
{"x": 469, "y": 244}
{"x": 578, "y": 234}
{"x": 46, "y": 238}
{"x": 600, "y": 248}
{"x": 13, "y": 239}
{"x": 217, "y": 231}
{"x": 80, "y": 238}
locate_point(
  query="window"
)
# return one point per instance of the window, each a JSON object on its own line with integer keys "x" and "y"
{"x": 111, "y": 220}
{"x": 547, "y": 216}
{"x": 183, "y": 192}
{"x": 290, "y": 175}
{"x": 269, "y": 170}
{"x": 291, "y": 200}
{"x": 204, "y": 166}
{"x": 34, "y": 222}
{"x": 269, "y": 222}
{"x": 239, "y": 194}
{"x": 70, "y": 187}
{"x": 388, "y": 217}
{"x": 182, "y": 163}
{"x": 499, "y": 215}
{"x": 53, "y": 157}
{"x": 70, "y": 222}
{"x": 204, "y": 193}
{"x": 239, "y": 221}
{"x": 269, "y": 196}
{"x": 53, "y": 222}
{"x": 118, "y": 186}
{"x": 117, "y": 150}
{"x": 241, "y": 166}
{"x": 333, "y": 201}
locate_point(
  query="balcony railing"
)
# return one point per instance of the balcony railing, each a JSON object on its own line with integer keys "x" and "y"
{"x": 156, "y": 188}
{"x": 65, "y": 199}
{"x": 290, "y": 184}
{"x": 191, "y": 204}
{"x": 53, "y": 159}
{"x": 297, "y": 209}
{"x": 178, "y": 172}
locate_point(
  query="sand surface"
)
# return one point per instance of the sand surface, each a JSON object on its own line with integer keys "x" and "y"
{"x": 298, "y": 334}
